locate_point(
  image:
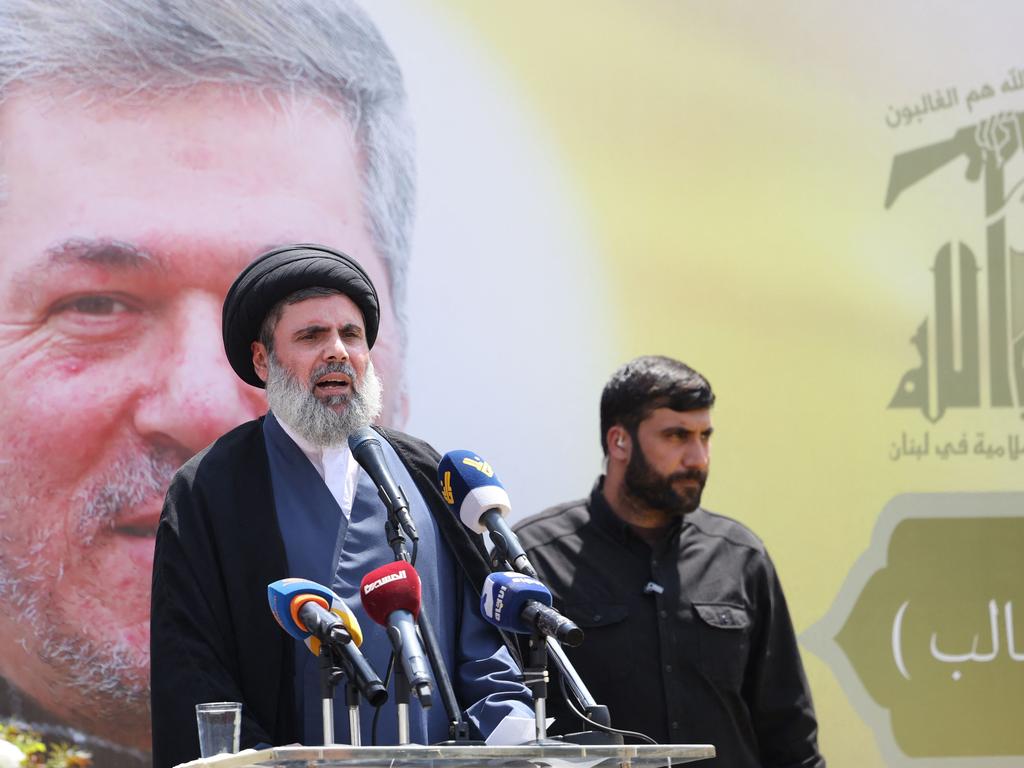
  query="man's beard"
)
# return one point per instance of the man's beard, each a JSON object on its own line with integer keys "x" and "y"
{"x": 297, "y": 405}
{"x": 109, "y": 672}
{"x": 656, "y": 491}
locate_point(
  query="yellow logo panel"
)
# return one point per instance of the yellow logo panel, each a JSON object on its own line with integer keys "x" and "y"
{"x": 480, "y": 465}
{"x": 446, "y": 488}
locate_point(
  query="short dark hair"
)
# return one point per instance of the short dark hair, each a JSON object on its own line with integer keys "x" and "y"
{"x": 647, "y": 383}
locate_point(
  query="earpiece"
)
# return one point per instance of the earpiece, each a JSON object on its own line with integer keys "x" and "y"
{"x": 619, "y": 443}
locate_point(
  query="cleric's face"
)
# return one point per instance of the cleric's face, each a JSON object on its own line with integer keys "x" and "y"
{"x": 121, "y": 229}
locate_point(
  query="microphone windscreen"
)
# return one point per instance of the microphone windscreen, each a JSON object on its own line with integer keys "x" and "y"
{"x": 470, "y": 486}
{"x": 504, "y": 597}
{"x": 286, "y": 597}
{"x": 392, "y": 587}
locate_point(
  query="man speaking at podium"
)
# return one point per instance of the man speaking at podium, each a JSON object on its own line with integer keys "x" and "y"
{"x": 283, "y": 496}
{"x": 688, "y": 638}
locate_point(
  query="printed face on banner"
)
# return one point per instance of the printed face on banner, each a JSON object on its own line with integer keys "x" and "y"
{"x": 123, "y": 226}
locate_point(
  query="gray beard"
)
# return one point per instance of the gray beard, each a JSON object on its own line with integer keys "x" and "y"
{"x": 296, "y": 405}
{"x": 111, "y": 674}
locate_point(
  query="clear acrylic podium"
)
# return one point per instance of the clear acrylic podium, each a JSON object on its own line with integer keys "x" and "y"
{"x": 415, "y": 756}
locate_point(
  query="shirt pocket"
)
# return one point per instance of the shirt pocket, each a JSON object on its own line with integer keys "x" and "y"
{"x": 723, "y": 636}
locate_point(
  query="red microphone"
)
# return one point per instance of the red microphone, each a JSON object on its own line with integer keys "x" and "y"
{"x": 391, "y": 597}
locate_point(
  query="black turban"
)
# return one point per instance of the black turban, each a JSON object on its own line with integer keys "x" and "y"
{"x": 279, "y": 273}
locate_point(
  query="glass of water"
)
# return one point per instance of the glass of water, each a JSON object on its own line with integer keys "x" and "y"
{"x": 220, "y": 725}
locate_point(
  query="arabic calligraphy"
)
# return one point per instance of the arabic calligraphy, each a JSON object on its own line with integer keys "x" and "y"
{"x": 912, "y": 632}
{"x": 949, "y": 344}
{"x": 930, "y": 102}
{"x": 949, "y": 98}
{"x": 974, "y": 655}
{"x": 909, "y": 446}
{"x": 979, "y": 94}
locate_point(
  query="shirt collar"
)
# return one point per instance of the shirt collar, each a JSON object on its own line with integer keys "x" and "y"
{"x": 603, "y": 515}
{"x": 605, "y": 518}
{"x": 319, "y": 456}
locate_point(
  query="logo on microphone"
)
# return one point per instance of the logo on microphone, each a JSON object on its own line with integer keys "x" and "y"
{"x": 397, "y": 576}
{"x": 499, "y": 602}
{"x": 479, "y": 465}
{"x": 446, "y": 488}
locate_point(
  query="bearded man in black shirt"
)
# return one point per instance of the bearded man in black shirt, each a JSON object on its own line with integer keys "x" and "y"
{"x": 688, "y": 637}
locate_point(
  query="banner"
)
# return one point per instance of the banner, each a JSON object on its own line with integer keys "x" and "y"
{"x": 818, "y": 206}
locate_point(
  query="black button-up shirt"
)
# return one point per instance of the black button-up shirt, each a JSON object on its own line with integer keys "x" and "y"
{"x": 690, "y": 643}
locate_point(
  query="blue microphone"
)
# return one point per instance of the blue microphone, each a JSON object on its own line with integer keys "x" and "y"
{"x": 476, "y": 495}
{"x": 520, "y": 604}
{"x": 315, "y": 615}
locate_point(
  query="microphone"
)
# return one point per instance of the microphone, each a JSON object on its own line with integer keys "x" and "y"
{"x": 315, "y": 615}
{"x": 366, "y": 449}
{"x": 520, "y": 604}
{"x": 476, "y": 495}
{"x": 391, "y": 597}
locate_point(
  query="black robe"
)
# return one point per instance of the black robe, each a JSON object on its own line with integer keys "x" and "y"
{"x": 218, "y": 546}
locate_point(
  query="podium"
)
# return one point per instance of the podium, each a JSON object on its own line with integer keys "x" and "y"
{"x": 554, "y": 755}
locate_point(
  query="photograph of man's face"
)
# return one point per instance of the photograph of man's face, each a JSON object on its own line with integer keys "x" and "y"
{"x": 124, "y": 219}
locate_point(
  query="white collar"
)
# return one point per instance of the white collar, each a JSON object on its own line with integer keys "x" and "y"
{"x": 334, "y": 464}
{"x": 315, "y": 453}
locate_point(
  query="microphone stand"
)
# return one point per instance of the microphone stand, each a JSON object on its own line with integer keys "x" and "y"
{"x": 352, "y": 700}
{"x": 395, "y": 538}
{"x": 333, "y": 667}
{"x": 397, "y": 541}
{"x": 598, "y": 713}
{"x": 535, "y": 676}
{"x": 330, "y": 674}
{"x": 458, "y": 728}
{"x": 402, "y": 704}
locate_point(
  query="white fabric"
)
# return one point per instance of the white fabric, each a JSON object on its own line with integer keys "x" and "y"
{"x": 334, "y": 464}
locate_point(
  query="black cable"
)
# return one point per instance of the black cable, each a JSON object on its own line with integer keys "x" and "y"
{"x": 599, "y": 726}
{"x": 377, "y": 711}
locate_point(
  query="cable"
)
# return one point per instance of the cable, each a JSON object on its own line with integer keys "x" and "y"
{"x": 376, "y": 712}
{"x": 605, "y": 728}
